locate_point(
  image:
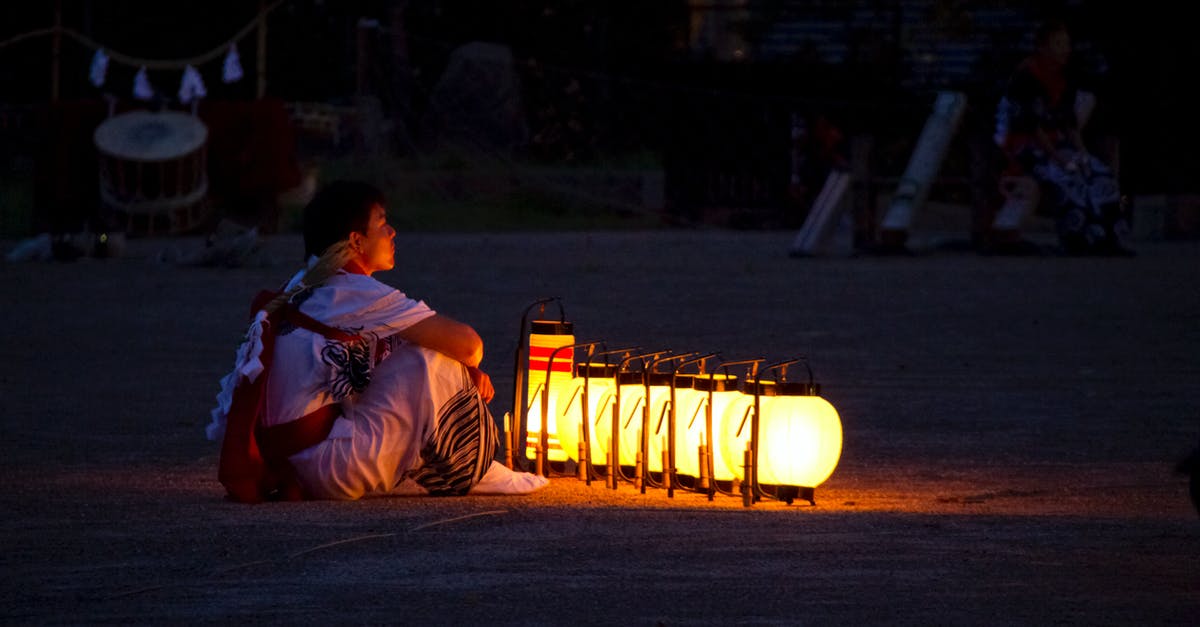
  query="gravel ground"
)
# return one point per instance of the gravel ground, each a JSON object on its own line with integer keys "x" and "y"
{"x": 1010, "y": 423}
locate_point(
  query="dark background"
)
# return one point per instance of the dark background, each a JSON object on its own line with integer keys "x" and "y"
{"x": 605, "y": 79}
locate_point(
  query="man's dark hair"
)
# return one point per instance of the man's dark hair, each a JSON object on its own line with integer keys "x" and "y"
{"x": 340, "y": 208}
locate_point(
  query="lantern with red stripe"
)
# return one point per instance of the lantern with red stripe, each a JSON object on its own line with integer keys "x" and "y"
{"x": 551, "y": 360}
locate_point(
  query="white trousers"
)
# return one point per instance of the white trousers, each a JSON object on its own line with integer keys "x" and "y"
{"x": 382, "y": 432}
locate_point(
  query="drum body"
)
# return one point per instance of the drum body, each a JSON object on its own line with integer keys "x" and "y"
{"x": 154, "y": 171}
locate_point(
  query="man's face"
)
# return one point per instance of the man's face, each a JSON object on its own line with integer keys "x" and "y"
{"x": 377, "y": 248}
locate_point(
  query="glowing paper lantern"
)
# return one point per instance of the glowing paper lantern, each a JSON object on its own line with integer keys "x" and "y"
{"x": 571, "y": 416}
{"x": 629, "y": 402}
{"x": 660, "y": 407}
{"x": 545, "y": 338}
{"x": 645, "y": 400}
{"x": 799, "y": 439}
{"x": 732, "y": 429}
{"x": 715, "y": 390}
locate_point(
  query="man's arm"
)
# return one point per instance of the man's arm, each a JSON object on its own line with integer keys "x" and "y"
{"x": 457, "y": 341}
{"x": 448, "y": 337}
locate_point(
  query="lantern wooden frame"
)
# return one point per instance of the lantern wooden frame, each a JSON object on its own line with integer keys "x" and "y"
{"x": 585, "y": 469}
{"x": 615, "y": 474}
{"x": 670, "y": 479}
{"x": 543, "y": 463}
{"x": 645, "y": 476}
{"x": 709, "y": 461}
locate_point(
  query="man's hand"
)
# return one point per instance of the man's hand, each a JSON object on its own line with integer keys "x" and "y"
{"x": 483, "y": 382}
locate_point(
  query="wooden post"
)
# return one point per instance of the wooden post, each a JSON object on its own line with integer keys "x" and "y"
{"x": 610, "y": 479}
{"x": 747, "y": 472}
{"x": 923, "y": 165}
{"x": 667, "y": 471}
{"x": 261, "y": 54}
{"x": 508, "y": 445}
{"x": 581, "y": 468}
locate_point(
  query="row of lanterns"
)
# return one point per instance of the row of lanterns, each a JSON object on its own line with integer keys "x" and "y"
{"x": 666, "y": 420}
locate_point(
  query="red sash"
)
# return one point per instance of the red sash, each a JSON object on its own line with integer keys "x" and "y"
{"x": 254, "y": 459}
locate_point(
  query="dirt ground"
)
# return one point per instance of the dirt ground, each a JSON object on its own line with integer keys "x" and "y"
{"x": 1010, "y": 423}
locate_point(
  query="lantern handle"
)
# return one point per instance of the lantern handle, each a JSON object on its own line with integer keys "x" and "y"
{"x": 550, "y": 361}
{"x": 628, "y": 350}
{"x": 701, "y": 359}
{"x": 666, "y": 358}
{"x": 554, "y": 353}
{"x": 741, "y": 362}
{"x": 540, "y": 302}
{"x": 643, "y": 357}
{"x": 783, "y": 366}
{"x": 541, "y": 305}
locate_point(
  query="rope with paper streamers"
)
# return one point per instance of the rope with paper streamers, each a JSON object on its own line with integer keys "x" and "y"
{"x": 191, "y": 86}
{"x": 150, "y": 64}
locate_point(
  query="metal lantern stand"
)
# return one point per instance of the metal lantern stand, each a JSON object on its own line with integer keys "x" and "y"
{"x": 585, "y": 469}
{"x": 644, "y": 476}
{"x": 669, "y": 474}
{"x": 707, "y": 465}
{"x": 615, "y": 473}
{"x": 543, "y": 448}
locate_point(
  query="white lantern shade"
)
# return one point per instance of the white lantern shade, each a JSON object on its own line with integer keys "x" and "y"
{"x": 800, "y": 442}
{"x": 733, "y": 427}
{"x": 660, "y": 407}
{"x": 601, "y": 391}
{"x": 800, "y": 438}
{"x": 631, "y": 395}
{"x": 690, "y": 427}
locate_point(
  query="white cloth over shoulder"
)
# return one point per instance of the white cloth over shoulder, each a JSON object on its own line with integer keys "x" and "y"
{"x": 310, "y": 371}
{"x": 309, "y": 366}
{"x": 247, "y": 365}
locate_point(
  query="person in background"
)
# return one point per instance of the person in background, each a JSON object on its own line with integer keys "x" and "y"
{"x": 1039, "y": 132}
